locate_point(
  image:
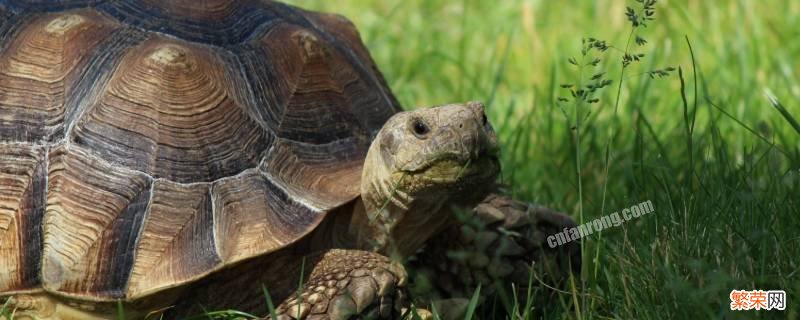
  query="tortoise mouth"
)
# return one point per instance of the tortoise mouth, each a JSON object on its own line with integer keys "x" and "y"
{"x": 452, "y": 159}
{"x": 452, "y": 170}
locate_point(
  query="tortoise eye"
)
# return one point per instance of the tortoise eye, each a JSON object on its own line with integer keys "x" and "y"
{"x": 420, "y": 128}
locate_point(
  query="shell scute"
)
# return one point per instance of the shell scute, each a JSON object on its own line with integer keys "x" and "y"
{"x": 147, "y": 144}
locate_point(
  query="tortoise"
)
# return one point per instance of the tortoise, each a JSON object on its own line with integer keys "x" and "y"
{"x": 163, "y": 155}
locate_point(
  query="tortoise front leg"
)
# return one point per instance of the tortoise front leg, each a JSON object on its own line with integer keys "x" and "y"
{"x": 346, "y": 284}
{"x": 45, "y": 306}
{"x": 336, "y": 284}
{"x": 495, "y": 243}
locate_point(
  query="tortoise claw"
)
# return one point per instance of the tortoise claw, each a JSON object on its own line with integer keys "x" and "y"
{"x": 346, "y": 284}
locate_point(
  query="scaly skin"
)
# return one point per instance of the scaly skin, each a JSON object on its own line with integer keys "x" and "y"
{"x": 346, "y": 283}
{"x": 496, "y": 243}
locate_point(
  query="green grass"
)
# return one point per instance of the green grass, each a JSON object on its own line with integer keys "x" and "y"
{"x": 722, "y": 170}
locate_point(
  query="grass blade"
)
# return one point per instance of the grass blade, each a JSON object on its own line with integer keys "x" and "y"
{"x": 785, "y": 113}
{"x": 4, "y": 308}
{"x": 222, "y": 314}
{"x": 120, "y": 311}
{"x": 473, "y": 303}
{"x": 270, "y": 305}
{"x": 435, "y": 312}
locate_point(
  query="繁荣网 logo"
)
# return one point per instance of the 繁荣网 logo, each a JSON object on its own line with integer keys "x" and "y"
{"x": 758, "y": 300}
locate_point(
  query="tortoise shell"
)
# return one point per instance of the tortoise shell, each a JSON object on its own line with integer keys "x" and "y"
{"x": 147, "y": 143}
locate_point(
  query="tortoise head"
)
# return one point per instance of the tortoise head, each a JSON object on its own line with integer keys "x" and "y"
{"x": 422, "y": 161}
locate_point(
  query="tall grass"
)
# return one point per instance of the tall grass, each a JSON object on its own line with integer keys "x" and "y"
{"x": 719, "y": 162}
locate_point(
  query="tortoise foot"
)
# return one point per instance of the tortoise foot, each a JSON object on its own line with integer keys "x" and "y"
{"x": 42, "y": 306}
{"x": 348, "y": 284}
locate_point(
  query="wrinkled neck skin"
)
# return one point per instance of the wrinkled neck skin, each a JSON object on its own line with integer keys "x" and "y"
{"x": 389, "y": 220}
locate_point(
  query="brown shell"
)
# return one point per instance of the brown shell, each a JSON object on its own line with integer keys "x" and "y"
{"x": 145, "y": 144}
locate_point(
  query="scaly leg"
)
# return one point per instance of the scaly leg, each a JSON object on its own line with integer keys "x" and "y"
{"x": 43, "y": 306}
{"x": 346, "y": 284}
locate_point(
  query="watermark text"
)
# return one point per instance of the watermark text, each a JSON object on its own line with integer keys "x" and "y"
{"x": 612, "y": 220}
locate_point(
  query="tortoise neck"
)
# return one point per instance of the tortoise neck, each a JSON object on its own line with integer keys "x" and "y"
{"x": 392, "y": 222}
{"x": 388, "y": 218}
